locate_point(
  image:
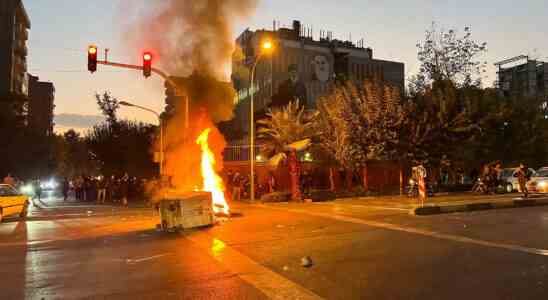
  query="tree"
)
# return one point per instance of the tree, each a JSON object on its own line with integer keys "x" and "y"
{"x": 361, "y": 123}
{"x": 445, "y": 56}
{"x": 284, "y": 127}
{"x": 108, "y": 106}
{"x": 72, "y": 155}
{"x": 123, "y": 147}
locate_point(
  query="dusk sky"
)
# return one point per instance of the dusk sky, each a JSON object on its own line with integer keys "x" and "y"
{"x": 62, "y": 30}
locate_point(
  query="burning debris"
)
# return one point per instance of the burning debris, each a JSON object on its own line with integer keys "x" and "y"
{"x": 193, "y": 39}
{"x": 212, "y": 182}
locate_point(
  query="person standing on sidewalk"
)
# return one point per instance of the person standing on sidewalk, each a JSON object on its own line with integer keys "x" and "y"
{"x": 66, "y": 188}
{"x": 101, "y": 190}
{"x": 236, "y": 190}
{"x": 124, "y": 189}
{"x": 523, "y": 175}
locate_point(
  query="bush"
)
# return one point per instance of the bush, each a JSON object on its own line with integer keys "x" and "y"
{"x": 276, "y": 197}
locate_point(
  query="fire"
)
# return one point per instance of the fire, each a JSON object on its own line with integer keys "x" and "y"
{"x": 211, "y": 181}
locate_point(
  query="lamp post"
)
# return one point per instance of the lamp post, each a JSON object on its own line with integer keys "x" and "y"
{"x": 266, "y": 46}
{"x": 124, "y": 103}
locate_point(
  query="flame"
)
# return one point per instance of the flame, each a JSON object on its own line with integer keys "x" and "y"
{"x": 212, "y": 182}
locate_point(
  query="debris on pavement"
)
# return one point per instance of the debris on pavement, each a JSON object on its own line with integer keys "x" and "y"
{"x": 306, "y": 262}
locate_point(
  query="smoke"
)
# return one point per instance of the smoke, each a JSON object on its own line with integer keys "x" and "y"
{"x": 192, "y": 40}
{"x": 187, "y": 35}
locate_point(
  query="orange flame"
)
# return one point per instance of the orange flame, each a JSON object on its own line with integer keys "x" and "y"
{"x": 212, "y": 182}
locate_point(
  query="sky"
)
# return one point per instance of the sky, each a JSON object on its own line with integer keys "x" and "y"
{"x": 62, "y": 30}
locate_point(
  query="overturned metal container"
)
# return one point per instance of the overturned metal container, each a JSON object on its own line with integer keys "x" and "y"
{"x": 186, "y": 210}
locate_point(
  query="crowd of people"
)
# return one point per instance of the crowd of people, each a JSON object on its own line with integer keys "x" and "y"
{"x": 103, "y": 189}
{"x": 238, "y": 186}
{"x": 491, "y": 178}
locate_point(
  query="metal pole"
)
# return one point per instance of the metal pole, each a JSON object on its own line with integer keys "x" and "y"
{"x": 161, "y": 147}
{"x": 186, "y": 113}
{"x": 251, "y": 137}
{"x": 252, "y": 132}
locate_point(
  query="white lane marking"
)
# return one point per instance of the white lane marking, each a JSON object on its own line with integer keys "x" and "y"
{"x": 138, "y": 260}
{"x": 272, "y": 284}
{"x": 443, "y": 236}
{"x": 378, "y": 207}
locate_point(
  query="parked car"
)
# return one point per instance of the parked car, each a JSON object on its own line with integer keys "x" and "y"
{"x": 510, "y": 182}
{"x": 12, "y": 202}
{"x": 539, "y": 181}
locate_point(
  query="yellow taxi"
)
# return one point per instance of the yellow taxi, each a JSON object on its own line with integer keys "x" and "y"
{"x": 12, "y": 203}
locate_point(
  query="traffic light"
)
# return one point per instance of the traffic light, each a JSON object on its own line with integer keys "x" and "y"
{"x": 147, "y": 64}
{"x": 92, "y": 58}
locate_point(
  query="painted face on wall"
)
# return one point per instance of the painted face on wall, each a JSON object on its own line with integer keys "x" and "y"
{"x": 321, "y": 68}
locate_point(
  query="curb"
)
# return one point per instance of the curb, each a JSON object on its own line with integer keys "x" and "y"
{"x": 476, "y": 206}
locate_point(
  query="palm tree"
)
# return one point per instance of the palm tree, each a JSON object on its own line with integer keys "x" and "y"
{"x": 285, "y": 129}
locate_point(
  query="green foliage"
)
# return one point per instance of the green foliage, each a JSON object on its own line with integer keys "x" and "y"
{"x": 445, "y": 56}
{"x": 360, "y": 123}
{"x": 122, "y": 147}
{"x": 73, "y": 156}
{"x": 285, "y": 126}
{"x": 108, "y": 106}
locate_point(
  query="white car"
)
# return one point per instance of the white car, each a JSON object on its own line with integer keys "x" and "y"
{"x": 511, "y": 182}
{"x": 12, "y": 203}
{"x": 539, "y": 182}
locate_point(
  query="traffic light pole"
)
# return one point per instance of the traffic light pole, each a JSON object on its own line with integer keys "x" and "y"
{"x": 157, "y": 72}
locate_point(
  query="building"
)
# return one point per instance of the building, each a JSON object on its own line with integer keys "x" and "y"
{"x": 520, "y": 76}
{"x": 40, "y": 106}
{"x": 14, "y": 23}
{"x": 300, "y": 67}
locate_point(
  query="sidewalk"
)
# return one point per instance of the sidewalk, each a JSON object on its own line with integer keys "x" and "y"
{"x": 449, "y": 203}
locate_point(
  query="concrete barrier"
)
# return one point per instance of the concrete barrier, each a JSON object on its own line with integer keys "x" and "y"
{"x": 445, "y": 208}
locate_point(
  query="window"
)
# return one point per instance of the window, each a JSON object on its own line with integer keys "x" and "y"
{"x": 7, "y": 191}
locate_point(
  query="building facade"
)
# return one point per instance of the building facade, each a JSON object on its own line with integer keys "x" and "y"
{"x": 40, "y": 106}
{"x": 520, "y": 76}
{"x": 14, "y": 25}
{"x": 300, "y": 67}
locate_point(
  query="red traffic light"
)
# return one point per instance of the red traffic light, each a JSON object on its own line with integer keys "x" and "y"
{"x": 92, "y": 58}
{"x": 147, "y": 64}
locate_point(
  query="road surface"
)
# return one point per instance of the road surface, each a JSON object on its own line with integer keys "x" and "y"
{"x": 358, "y": 250}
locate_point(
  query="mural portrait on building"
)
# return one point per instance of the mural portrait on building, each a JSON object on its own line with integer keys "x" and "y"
{"x": 321, "y": 68}
{"x": 291, "y": 89}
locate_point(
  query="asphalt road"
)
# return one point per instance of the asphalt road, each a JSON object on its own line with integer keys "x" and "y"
{"x": 358, "y": 250}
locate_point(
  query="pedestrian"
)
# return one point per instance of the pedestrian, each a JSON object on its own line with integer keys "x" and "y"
{"x": 271, "y": 182}
{"x": 9, "y": 180}
{"x": 66, "y": 188}
{"x": 37, "y": 189}
{"x": 236, "y": 190}
{"x": 101, "y": 190}
{"x": 523, "y": 175}
{"x": 124, "y": 189}
{"x": 228, "y": 182}
{"x": 110, "y": 185}
{"x": 306, "y": 183}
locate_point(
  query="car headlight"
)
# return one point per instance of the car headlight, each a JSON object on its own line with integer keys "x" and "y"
{"x": 542, "y": 184}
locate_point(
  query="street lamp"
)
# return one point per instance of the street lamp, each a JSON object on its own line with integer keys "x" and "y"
{"x": 124, "y": 103}
{"x": 266, "y": 48}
